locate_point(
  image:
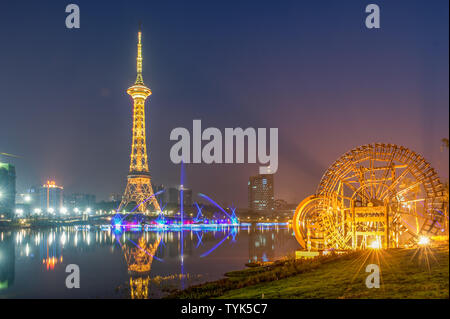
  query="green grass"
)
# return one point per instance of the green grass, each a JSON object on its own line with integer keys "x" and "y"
{"x": 405, "y": 273}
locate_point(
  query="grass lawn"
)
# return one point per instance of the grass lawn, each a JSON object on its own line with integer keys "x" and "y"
{"x": 405, "y": 273}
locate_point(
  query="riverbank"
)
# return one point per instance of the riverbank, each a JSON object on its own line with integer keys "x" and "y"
{"x": 405, "y": 274}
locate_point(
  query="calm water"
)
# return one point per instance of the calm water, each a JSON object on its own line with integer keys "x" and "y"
{"x": 125, "y": 264}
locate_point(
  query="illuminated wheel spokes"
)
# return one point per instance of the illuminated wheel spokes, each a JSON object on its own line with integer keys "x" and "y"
{"x": 315, "y": 226}
{"x": 385, "y": 180}
{"x": 379, "y": 192}
{"x": 303, "y": 215}
{"x": 308, "y": 224}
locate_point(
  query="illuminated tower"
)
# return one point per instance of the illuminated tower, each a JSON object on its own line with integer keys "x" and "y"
{"x": 139, "y": 188}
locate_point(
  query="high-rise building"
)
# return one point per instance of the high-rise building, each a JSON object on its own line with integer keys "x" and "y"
{"x": 187, "y": 196}
{"x": 33, "y": 193}
{"x": 260, "y": 192}
{"x": 115, "y": 197}
{"x": 172, "y": 196}
{"x": 7, "y": 190}
{"x": 80, "y": 201}
{"x": 51, "y": 198}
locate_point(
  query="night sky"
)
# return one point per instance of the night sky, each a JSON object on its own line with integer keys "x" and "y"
{"x": 310, "y": 68}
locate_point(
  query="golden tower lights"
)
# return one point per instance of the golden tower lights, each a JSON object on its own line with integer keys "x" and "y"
{"x": 139, "y": 260}
{"x": 139, "y": 188}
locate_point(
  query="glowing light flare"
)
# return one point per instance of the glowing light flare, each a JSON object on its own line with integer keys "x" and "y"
{"x": 423, "y": 241}
{"x": 375, "y": 244}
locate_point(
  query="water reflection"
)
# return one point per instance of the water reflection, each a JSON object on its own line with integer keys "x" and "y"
{"x": 263, "y": 244}
{"x": 7, "y": 260}
{"x": 139, "y": 258}
{"x": 127, "y": 264}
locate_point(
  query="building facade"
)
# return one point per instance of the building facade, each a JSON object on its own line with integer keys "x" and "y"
{"x": 79, "y": 201}
{"x": 51, "y": 198}
{"x": 7, "y": 190}
{"x": 172, "y": 196}
{"x": 115, "y": 197}
{"x": 261, "y": 193}
{"x": 187, "y": 197}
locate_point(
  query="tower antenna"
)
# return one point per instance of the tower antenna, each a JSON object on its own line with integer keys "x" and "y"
{"x": 139, "y": 78}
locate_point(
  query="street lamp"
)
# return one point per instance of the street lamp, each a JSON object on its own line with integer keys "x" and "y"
{"x": 37, "y": 211}
{"x": 63, "y": 210}
{"x": 27, "y": 198}
{"x": 51, "y": 210}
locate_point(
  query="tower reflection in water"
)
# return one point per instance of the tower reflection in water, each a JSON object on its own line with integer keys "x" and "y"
{"x": 139, "y": 257}
{"x": 7, "y": 260}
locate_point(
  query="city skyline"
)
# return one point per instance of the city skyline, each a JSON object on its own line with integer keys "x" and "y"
{"x": 75, "y": 120}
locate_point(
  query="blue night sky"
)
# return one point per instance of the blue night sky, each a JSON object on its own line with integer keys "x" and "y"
{"x": 310, "y": 68}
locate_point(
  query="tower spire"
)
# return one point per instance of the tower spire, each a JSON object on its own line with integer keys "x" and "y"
{"x": 139, "y": 79}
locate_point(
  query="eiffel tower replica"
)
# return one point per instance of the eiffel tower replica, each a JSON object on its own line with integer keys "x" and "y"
{"x": 139, "y": 187}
